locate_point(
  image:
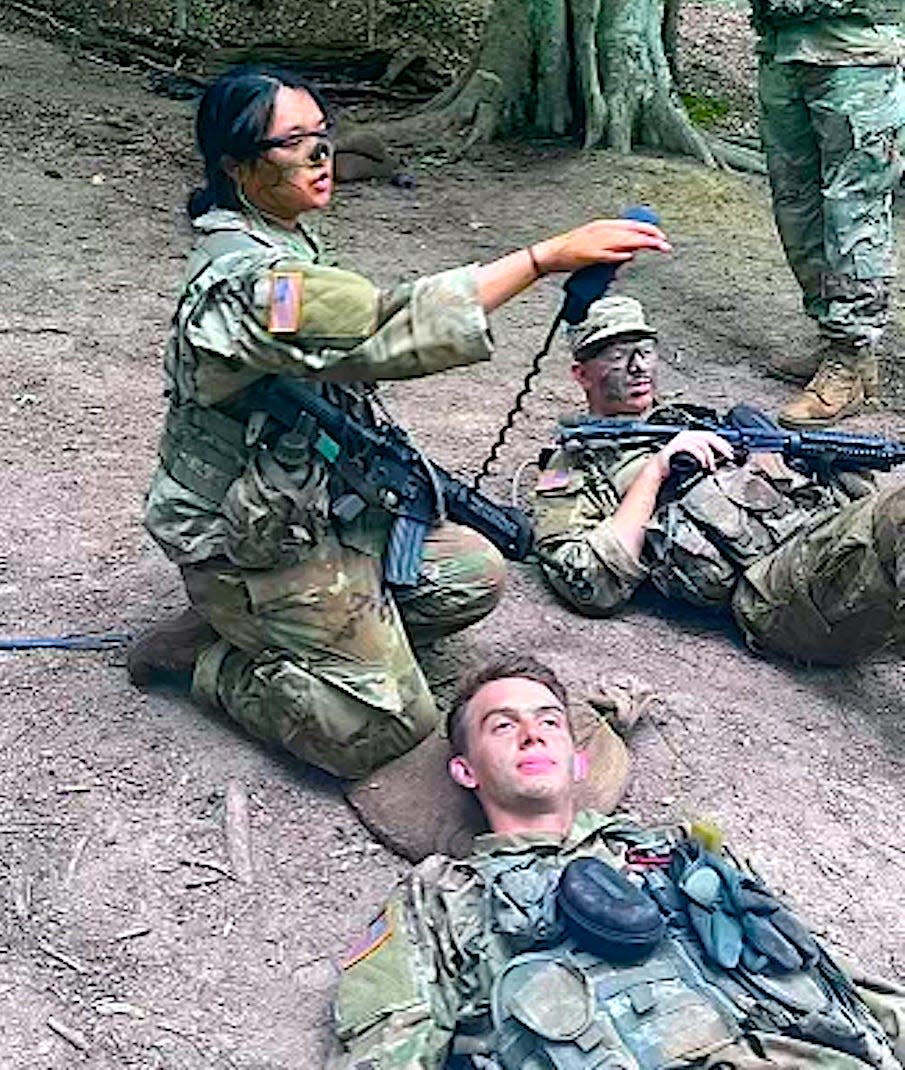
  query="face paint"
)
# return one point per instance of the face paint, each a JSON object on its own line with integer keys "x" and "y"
{"x": 628, "y": 365}
{"x": 621, "y": 377}
{"x": 293, "y": 171}
{"x": 313, "y": 148}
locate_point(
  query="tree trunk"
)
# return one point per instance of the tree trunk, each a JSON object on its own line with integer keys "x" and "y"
{"x": 671, "y": 36}
{"x": 596, "y": 69}
{"x": 519, "y": 81}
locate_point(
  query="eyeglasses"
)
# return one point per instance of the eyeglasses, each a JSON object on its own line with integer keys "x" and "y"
{"x": 320, "y": 141}
{"x": 625, "y": 350}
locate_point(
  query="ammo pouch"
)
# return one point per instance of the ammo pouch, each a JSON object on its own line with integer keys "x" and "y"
{"x": 720, "y": 524}
{"x": 203, "y": 449}
{"x": 565, "y": 1009}
{"x": 275, "y": 512}
{"x": 274, "y": 500}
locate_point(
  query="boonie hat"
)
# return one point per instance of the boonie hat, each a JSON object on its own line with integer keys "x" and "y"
{"x": 608, "y": 317}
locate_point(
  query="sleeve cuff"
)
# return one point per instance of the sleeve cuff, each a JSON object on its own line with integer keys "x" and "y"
{"x": 607, "y": 545}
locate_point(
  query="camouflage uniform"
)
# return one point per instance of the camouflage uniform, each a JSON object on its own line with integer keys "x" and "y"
{"x": 809, "y": 571}
{"x": 832, "y": 100}
{"x": 315, "y": 650}
{"x": 424, "y": 972}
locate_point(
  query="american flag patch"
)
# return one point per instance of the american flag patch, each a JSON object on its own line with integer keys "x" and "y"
{"x": 376, "y": 934}
{"x": 553, "y": 479}
{"x": 285, "y": 302}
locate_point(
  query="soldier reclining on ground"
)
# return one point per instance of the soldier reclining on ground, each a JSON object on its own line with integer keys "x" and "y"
{"x": 810, "y": 570}
{"x": 521, "y": 957}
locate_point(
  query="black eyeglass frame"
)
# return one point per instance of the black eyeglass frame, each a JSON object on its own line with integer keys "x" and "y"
{"x": 290, "y": 141}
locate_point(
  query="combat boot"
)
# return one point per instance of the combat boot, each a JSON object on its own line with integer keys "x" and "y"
{"x": 168, "y": 651}
{"x": 839, "y": 389}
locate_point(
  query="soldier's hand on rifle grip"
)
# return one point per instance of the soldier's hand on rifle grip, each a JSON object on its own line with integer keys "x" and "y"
{"x": 692, "y": 451}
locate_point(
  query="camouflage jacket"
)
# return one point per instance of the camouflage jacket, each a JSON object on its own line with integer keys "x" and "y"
{"x": 772, "y": 13}
{"x": 256, "y": 301}
{"x": 830, "y": 32}
{"x": 697, "y": 543}
{"x": 424, "y": 971}
{"x": 426, "y": 965}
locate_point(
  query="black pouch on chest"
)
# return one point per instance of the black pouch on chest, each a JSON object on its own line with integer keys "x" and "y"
{"x": 606, "y": 914}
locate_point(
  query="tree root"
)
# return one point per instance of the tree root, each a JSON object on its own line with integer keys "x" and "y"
{"x": 737, "y": 157}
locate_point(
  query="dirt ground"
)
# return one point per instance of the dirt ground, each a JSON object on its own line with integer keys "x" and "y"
{"x": 122, "y": 922}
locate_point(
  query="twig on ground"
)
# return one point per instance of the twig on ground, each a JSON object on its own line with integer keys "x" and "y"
{"x": 62, "y": 957}
{"x": 238, "y": 832}
{"x": 74, "y": 861}
{"x": 203, "y": 863}
{"x": 22, "y": 897}
{"x": 50, "y": 329}
{"x": 130, "y": 934}
{"x": 203, "y": 882}
{"x": 73, "y": 1036}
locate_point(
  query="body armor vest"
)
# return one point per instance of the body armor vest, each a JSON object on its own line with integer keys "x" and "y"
{"x": 562, "y": 1007}
{"x": 708, "y": 531}
{"x": 273, "y": 489}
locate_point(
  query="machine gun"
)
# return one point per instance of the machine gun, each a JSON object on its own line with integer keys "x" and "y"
{"x": 379, "y": 466}
{"x": 747, "y": 430}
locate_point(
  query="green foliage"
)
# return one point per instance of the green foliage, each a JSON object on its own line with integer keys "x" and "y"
{"x": 705, "y": 110}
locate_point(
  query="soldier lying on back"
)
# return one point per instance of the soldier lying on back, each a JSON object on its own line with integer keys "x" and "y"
{"x": 809, "y": 569}
{"x": 538, "y": 952}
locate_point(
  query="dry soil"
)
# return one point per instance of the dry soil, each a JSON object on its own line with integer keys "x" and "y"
{"x": 121, "y": 921}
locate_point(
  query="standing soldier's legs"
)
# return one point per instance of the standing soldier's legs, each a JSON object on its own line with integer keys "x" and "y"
{"x": 859, "y": 116}
{"x": 461, "y": 580}
{"x": 793, "y": 162}
{"x": 313, "y": 657}
{"x": 834, "y": 594}
{"x": 857, "y": 113}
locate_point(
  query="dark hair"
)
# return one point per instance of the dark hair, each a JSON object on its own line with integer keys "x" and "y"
{"x": 233, "y": 116}
{"x": 520, "y": 666}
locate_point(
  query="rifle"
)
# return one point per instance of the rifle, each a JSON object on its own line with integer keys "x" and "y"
{"x": 747, "y": 430}
{"x": 380, "y": 466}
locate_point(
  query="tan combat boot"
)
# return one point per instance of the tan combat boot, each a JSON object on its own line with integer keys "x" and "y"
{"x": 839, "y": 389}
{"x": 168, "y": 649}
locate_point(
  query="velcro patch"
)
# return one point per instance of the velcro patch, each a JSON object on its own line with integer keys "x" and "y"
{"x": 376, "y": 934}
{"x": 286, "y": 291}
{"x": 553, "y": 479}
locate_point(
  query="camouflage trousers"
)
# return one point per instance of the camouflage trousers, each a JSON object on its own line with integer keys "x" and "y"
{"x": 771, "y": 1051}
{"x": 834, "y": 594}
{"x": 318, "y": 657}
{"x": 831, "y": 136}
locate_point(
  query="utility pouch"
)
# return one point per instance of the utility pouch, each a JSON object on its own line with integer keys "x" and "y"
{"x": 275, "y": 513}
{"x": 606, "y": 914}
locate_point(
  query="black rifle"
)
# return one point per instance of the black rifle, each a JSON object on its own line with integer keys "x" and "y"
{"x": 747, "y": 430}
{"x": 379, "y": 466}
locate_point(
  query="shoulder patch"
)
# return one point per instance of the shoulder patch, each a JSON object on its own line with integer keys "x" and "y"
{"x": 553, "y": 479}
{"x": 376, "y": 935}
{"x": 286, "y": 293}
